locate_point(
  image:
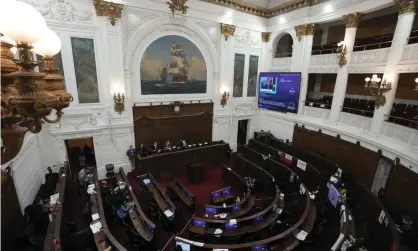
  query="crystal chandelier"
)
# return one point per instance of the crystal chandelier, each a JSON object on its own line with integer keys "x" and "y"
{"x": 27, "y": 97}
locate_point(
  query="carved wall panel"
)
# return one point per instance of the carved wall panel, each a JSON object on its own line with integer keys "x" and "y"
{"x": 192, "y": 122}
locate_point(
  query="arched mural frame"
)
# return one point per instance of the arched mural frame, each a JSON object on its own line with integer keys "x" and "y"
{"x": 279, "y": 35}
{"x": 155, "y": 29}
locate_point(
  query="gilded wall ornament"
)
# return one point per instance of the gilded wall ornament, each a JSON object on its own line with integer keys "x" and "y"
{"x": 352, "y": 20}
{"x": 112, "y": 10}
{"x": 178, "y": 5}
{"x": 406, "y": 6}
{"x": 265, "y": 36}
{"x": 228, "y": 30}
{"x": 304, "y": 30}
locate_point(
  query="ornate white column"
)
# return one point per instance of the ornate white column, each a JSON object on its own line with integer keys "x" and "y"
{"x": 266, "y": 59}
{"x": 400, "y": 39}
{"x": 304, "y": 34}
{"x": 351, "y": 23}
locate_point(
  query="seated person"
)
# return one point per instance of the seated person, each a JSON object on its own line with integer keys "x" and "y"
{"x": 142, "y": 151}
{"x": 123, "y": 210}
{"x": 183, "y": 143}
{"x": 155, "y": 148}
{"x": 167, "y": 145}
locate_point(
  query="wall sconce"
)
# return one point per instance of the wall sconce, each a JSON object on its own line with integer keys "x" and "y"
{"x": 119, "y": 102}
{"x": 342, "y": 54}
{"x": 416, "y": 84}
{"x": 224, "y": 98}
{"x": 377, "y": 89}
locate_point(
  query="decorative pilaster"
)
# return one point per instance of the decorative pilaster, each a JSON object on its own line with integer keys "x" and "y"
{"x": 304, "y": 30}
{"x": 228, "y": 30}
{"x": 109, "y": 9}
{"x": 352, "y": 20}
{"x": 265, "y": 36}
{"x": 406, "y": 6}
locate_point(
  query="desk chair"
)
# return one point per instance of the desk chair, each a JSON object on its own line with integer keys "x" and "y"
{"x": 82, "y": 240}
{"x": 110, "y": 170}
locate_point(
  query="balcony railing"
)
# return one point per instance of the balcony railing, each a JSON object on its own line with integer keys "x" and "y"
{"x": 318, "y": 104}
{"x": 372, "y": 46}
{"x": 404, "y": 121}
{"x": 365, "y": 113}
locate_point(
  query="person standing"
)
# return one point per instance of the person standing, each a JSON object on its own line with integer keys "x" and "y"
{"x": 131, "y": 155}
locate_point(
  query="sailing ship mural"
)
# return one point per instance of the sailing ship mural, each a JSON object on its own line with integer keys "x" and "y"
{"x": 173, "y": 65}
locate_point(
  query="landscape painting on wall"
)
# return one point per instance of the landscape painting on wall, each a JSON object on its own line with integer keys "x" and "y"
{"x": 85, "y": 70}
{"x": 173, "y": 65}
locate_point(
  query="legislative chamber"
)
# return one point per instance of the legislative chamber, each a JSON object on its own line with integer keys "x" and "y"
{"x": 209, "y": 125}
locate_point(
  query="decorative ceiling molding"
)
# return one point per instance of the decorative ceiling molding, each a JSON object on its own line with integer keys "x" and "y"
{"x": 239, "y": 5}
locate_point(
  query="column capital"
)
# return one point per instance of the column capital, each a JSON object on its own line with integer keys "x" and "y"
{"x": 228, "y": 30}
{"x": 304, "y": 30}
{"x": 406, "y": 6}
{"x": 112, "y": 10}
{"x": 352, "y": 20}
{"x": 265, "y": 36}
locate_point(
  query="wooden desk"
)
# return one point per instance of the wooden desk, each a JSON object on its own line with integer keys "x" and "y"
{"x": 216, "y": 153}
{"x": 222, "y": 198}
{"x": 233, "y": 215}
{"x": 103, "y": 238}
{"x": 253, "y": 227}
{"x": 137, "y": 216}
{"x": 163, "y": 202}
{"x": 177, "y": 188}
{"x": 53, "y": 232}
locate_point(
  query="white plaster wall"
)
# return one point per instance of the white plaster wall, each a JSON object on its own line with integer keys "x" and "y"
{"x": 28, "y": 171}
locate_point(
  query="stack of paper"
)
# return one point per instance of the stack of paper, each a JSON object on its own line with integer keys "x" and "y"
{"x": 232, "y": 221}
{"x": 301, "y": 235}
{"x": 168, "y": 213}
{"x": 91, "y": 189}
{"x": 223, "y": 215}
{"x": 53, "y": 199}
{"x": 146, "y": 181}
{"x": 218, "y": 231}
{"x": 96, "y": 227}
{"x": 95, "y": 217}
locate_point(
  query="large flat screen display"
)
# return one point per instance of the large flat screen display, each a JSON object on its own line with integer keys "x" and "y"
{"x": 279, "y": 91}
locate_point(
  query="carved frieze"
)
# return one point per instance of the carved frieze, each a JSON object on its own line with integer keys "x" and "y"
{"x": 246, "y": 38}
{"x": 62, "y": 10}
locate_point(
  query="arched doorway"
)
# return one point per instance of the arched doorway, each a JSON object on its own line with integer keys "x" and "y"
{"x": 284, "y": 47}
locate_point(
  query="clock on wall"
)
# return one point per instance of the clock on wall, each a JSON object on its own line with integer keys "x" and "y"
{"x": 177, "y": 107}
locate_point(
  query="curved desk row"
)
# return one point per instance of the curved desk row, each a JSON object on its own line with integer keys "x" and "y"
{"x": 103, "y": 238}
{"x": 53, "y": 232}
{"x": 385, "y": 231}
{"x": 142, "y": 224}
{"x": 284, "y": 240}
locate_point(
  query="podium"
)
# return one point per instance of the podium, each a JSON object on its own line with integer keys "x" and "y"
{"x": 195, "y": 173}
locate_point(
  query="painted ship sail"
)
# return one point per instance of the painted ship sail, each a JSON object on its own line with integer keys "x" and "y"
{"x": 178, "y": 68}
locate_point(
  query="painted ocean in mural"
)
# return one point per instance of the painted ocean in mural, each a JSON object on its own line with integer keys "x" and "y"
{"x": 173, "y": 65}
